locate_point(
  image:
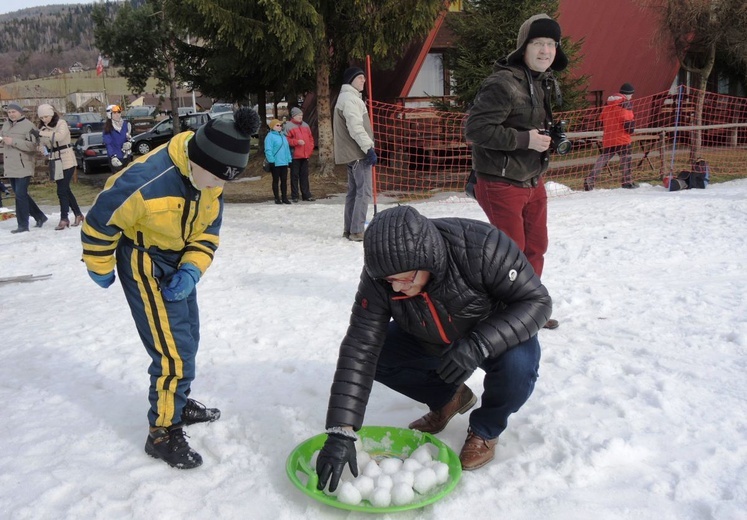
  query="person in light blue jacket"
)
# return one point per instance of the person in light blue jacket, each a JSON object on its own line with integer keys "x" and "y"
{"x": 278, "y": 154}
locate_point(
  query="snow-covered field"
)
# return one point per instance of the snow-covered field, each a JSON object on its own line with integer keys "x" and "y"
{"x": 639, "y": 412}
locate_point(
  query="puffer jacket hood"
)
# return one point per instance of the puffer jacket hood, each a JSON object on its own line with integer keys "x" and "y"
{"x": 401, "y": 239}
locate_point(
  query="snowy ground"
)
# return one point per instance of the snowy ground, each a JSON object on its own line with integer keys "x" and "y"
{"x": 639, "y": 411}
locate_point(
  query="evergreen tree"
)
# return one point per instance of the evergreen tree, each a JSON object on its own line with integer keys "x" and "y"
{"x": 279, "y": 43}
{"x": 486, "y": 31}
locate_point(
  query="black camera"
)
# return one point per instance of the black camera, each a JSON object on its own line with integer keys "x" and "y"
{"x": 561, "y": 145}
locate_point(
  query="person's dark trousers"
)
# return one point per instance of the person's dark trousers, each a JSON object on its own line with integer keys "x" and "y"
{"x": 25, "y": 205}
{"x": 65, "y": 194}
{"x": 299, "y": 170}
{"x": 408, "y": 368}
{"x": 280, "y": 177}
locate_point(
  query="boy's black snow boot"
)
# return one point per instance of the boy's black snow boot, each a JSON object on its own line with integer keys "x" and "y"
{"x": 170, "y": 445}
{"x": 196, "y": 412}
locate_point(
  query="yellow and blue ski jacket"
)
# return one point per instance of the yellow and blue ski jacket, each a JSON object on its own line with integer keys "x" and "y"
{"x": 154, "y": 204}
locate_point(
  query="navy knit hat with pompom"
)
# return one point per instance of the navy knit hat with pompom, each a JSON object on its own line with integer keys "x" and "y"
{"x": 221, "y": 146}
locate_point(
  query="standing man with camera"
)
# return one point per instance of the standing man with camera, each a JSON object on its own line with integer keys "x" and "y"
{"x": 509, "y": 126}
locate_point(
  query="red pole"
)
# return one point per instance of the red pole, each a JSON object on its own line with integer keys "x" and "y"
{"x": 370, "y": 117}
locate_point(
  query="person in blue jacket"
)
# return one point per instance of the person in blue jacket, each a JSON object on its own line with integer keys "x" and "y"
{"x": 158, "y": 222}
{"x": 117, "y": 135}
{"x": 278, "y": 154}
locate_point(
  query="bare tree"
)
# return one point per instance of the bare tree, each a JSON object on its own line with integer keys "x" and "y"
{"x": 695, "y": 30}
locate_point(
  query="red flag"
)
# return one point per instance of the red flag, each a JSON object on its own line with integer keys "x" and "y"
{"x": 100, "y": 66}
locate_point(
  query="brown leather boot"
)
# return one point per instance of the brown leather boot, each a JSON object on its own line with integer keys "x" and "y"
{"x": 62, "y": 225}
{"x": 78, "y": 220}
{"x": 476, "y": 451}
{"x": 436, "y": 420}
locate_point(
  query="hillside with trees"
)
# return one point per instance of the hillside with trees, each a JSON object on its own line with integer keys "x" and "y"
{"x": 35, "y": 41}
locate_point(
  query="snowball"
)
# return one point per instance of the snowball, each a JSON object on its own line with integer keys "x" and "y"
{"x": 381, "y": 497}
{"x": 384, "y": 481}
{"x": 365, "y": 485}
{"x": 411, "y": 465}
{"x": 363, "y": 458}
{"x": 372, "y": 469}
{"x": 349, "y": 494}
{"x": 390, "y": 466}
{"x": 402, "y": 494}
{"x": 425, "y": 480}
{"x": 408, "y": 477}
{"x": 423, "y": 453}
{"x": 442, "y": 472}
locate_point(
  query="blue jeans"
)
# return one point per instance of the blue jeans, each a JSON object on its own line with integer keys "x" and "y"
{"x": 25, "y": 205}
{"x": 408, "y": 368}
{"x": 358, "y": 196}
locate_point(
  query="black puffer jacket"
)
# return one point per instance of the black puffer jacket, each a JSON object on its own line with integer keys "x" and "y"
{"x": 481, "y": 287}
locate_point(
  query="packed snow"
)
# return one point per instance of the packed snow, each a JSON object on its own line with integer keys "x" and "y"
{"x": 639, "y": 412}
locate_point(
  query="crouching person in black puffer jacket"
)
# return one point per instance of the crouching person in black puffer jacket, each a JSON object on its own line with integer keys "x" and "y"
{"x": 437, "y": 299}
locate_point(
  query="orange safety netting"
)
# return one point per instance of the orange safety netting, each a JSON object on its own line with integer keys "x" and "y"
{"x": 422, "y": 151}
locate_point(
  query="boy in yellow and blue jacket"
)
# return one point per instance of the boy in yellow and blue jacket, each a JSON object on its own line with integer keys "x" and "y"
{"x": 158, "y": 222}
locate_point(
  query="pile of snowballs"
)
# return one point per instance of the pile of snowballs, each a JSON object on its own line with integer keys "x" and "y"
{"x": 391, "y": 480}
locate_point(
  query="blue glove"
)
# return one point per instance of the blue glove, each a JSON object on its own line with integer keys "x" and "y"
{"x": 104, "y": 280}
{"x": 371, "y": 157}
{"x": 182, "y": 283}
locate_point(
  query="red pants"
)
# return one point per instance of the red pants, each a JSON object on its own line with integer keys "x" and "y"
{"x": 521, "y": 213}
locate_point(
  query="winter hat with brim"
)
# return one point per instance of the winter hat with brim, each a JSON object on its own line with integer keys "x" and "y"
{"x": 274, "y": 123}
{"x": 45, "y": 110}
{"x": 221, "y": 146}
{"x": 14, "y": 106}
{"x": 627, "y": 88}
{"x": 539, "y": 26}
{"x": 351, "y": 73}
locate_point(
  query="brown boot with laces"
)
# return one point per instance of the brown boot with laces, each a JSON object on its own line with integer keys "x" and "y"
{"x": 436, "y": 420}
{"x": 476, "y": 451}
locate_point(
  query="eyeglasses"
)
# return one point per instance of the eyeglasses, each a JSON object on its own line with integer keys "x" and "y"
{"x": 406, "y": 284}
{"x": 537, "y": 44}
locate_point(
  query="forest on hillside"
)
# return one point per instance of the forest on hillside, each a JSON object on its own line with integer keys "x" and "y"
{"x": 35, "y": 41}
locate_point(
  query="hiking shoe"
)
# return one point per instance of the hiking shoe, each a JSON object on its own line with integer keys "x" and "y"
{"x": 170, "y": 445}
{"x": 355, "y": 237}
{"x": 630, "y": 185}
{"x": 551, "y": 324}
{"x": 476, "y": 451}
{"x": 196, "y": 412}
{"x": 436, "y": 420}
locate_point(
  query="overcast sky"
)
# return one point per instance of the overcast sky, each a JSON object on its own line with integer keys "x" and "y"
{"x": 17, "y": 5}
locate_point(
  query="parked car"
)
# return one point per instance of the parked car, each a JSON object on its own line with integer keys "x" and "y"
{"x": 83, "y": 123}
{"x": 220, "y": 108}
{"x": 90, "y": 152}
{"x": 141, "y": 118}
{"x": 163, "y": 131}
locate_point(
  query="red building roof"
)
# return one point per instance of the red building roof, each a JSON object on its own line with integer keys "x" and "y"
{"x": 619, "y": 46}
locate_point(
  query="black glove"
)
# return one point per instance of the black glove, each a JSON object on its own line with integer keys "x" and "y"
{"x": 371, "y": 157}
{"x": 338, "y": 450}
{"x": 461, "y": 360}
{"x": 34, "y": 132}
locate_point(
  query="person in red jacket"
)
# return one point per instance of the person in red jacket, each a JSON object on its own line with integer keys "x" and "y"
{"x": 301, "y": 140}
{"x": 618, "y": 123}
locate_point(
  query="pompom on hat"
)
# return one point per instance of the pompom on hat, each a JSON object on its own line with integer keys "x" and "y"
{"x": 539, "y": 26}
{"x": 221, "y": 146}
{"x": 45, "y": 110}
